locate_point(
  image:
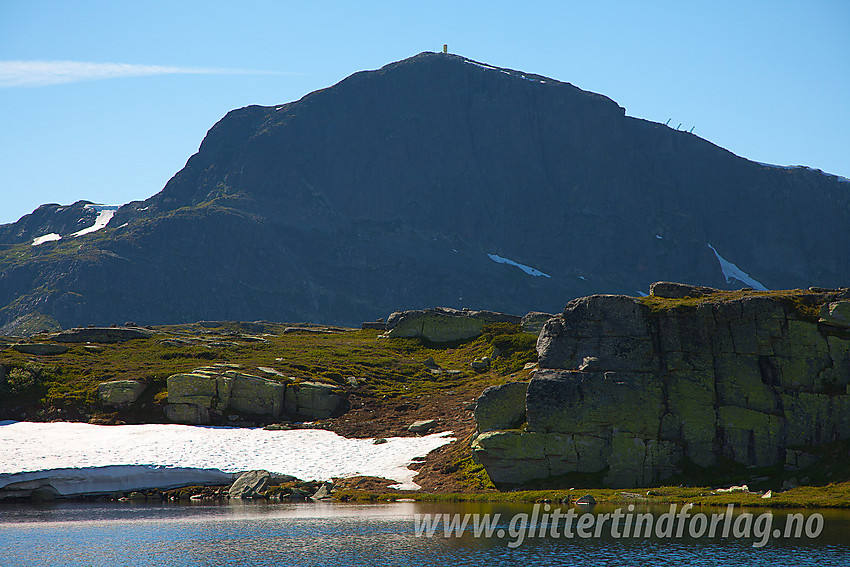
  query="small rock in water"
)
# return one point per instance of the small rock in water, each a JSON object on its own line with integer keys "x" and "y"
{"x": 586, "y": 500}
{"x": 297, "y": 494}
{"x": 379, "y": 441}
{"x": 324, "y": 492}
{"x": 249, "y": 484}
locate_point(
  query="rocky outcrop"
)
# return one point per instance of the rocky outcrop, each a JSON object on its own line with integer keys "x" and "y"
{"x": 533, "y": 322}
{"x": 40, "y": 349}
{"x": 632, "y": 388}
{"x": 207, "y": 394}
{"x": 119, "y": 393}
{"x": 442, "y": 324}
{"x": 313, "y": 400}
{"x": 253, "y": 395}
{"x": 210, "y": 394}
{"x": 673, "y": 290}
{"x": 102, "y": 334}
{"x": 501, "y": 407}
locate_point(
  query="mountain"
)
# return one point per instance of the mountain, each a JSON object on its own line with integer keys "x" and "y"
{"x": 435, "y": 180}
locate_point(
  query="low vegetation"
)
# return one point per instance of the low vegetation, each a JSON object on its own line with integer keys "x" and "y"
{"x": 392, "y": 373}
{"x": 45, "y": 387}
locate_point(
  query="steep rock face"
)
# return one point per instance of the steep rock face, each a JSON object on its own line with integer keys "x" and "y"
{"x": 748, "y": 377}
{"x": 432, "y": 181}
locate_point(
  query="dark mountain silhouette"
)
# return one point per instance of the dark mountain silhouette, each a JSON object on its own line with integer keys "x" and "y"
{"x": 417, "y": 185}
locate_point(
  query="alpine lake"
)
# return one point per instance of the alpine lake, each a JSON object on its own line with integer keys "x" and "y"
{"x": 260, "y": 533}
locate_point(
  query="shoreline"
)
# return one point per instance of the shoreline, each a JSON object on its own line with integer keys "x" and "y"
{"x": 835, "y": 496}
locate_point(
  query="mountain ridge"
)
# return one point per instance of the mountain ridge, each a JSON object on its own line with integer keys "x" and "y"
{"x": 390, "y": 189}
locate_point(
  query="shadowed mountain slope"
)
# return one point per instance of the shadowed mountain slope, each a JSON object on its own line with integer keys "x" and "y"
{"x": 432, "y": 181}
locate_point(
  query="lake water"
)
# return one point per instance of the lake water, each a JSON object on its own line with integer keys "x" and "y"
{"x": 337, "y": 534}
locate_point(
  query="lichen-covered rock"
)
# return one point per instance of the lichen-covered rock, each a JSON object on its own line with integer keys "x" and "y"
{"x": 442, "y": 324}
{"x": 635, "y": 461}
{"x": 313, "y": 400}
{"x": 191, "y": 414}
{"x": 501, "y": 407}
{"x": 254, "y": 395}
{"x": 210, "y": 393}
{"x": 205, "y": 390}
{"x": 587, "y": 403}
{"x": 612, "y": 328}
{"x": 511, "y": 457}
{"x": 750, "y": 436}
{"x": 118, "y": 393}
{"x": 631, "y": 387}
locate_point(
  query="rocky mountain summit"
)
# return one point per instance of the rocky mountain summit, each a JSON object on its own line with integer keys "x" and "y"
{"x": 634, "y": 389}
{"x": 436, "y": 180}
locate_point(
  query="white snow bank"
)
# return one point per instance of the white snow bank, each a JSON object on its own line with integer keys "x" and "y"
{"x": 840, "y": 178}
{"x": 50, "y": 449}
{"x": 104, "y": 215}
{"x": 505, "y": 71}
{"x": 46, "y": 238}
{"x": 730, "y": 271}
{"x": 115, "y": 478}
{"x": 527, "y": 269}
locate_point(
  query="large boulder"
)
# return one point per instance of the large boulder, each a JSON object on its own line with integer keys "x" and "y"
{"x": 201, "y": 389}
{"x": 313, "y": 400}
{"x": 613, "y": 328}
{"x": 118, "y": 393}
{"x": 197, "y": 397}
{"x": 672, "y": 290}
{"x": 102, "y": 334}
{"x": 40, "y": 349}
{"x": 501, "y": 407}
{"x": 208, "y": 393}
{"x": 443, "y": 324}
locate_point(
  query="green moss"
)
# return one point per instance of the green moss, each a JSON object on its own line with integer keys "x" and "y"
{"x": 473, "y": 474}
{"x": 835, "y": 495}
{"x": 805, "y": 304}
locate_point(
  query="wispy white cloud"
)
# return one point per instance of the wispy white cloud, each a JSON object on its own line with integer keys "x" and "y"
{"x": 44, "y": 73}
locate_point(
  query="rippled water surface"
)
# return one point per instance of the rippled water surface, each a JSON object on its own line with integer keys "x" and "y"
{"x": 378, "y": 534}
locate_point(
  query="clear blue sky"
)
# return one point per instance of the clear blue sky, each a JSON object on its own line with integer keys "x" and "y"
{"x": 768, "y": 80}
